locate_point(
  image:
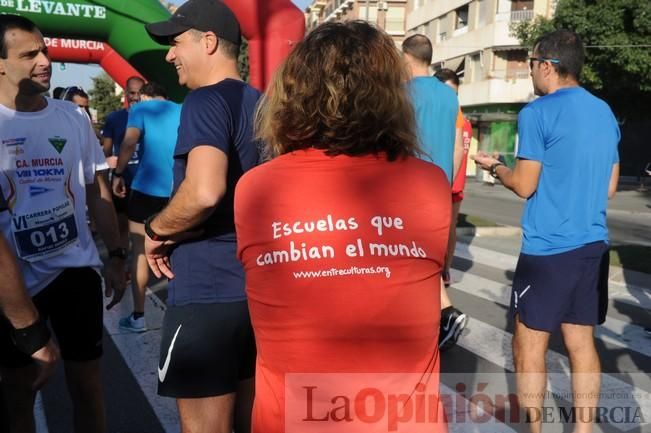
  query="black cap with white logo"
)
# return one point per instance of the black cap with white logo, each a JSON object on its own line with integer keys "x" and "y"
{"x": 203, "y": 15}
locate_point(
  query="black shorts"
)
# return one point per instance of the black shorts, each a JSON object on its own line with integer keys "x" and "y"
{"x": 570, "y": 287}
{"x": 73, "y": 305}
{"x": 142, "y": 206}
{"x": 206, "y": 349}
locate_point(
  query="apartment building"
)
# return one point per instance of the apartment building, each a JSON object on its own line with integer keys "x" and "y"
{"x": 472, "y": 37}
{"x": 389, "y": 15}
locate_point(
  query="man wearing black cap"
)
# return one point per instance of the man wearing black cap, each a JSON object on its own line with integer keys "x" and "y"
{"x": 207, "y": 348}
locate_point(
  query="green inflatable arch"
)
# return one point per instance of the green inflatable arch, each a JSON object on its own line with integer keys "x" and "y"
{"x": 118, "y": 22}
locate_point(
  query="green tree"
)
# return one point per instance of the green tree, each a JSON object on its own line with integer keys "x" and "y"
{"x": 243, "y": 60}
{"x": 103, "y": 97}
{"x": 617, "y": 35}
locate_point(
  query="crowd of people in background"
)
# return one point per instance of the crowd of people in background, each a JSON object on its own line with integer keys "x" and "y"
{"x": 307, "y": 234}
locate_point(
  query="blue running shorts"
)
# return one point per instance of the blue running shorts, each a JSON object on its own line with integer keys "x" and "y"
{"x": 571, "y": 287}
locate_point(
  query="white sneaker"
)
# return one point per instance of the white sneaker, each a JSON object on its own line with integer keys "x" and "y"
{"x": 133, "y": 325}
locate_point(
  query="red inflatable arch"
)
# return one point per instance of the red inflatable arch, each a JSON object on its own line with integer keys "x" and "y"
{"x": 84, "y": 51}
{"x": 270, "y": 26}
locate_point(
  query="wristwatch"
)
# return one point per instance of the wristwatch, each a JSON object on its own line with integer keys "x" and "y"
{"x": 493, "y": 170}
{"x": 150, "y": 232}
{"x": 119, "y": 253}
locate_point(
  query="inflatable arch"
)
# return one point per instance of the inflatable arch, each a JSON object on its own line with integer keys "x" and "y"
{"x": 112, "y": 33}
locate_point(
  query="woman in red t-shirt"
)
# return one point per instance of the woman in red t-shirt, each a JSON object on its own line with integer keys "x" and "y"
{"x": 343, "y": 236}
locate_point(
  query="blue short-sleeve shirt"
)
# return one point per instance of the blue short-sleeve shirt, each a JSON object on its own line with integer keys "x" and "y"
{"x": 114, "y": 128}
{"x": 436, "y": 108}
{"x": 221, "y": 115}
{"x": 574, "y": 135}
{"x": 158, "y": 123}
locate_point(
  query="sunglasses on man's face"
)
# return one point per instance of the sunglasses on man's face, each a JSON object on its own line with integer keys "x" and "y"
{"x": 542, "y": 59}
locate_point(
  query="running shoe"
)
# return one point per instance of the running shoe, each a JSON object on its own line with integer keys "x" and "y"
{"x": 133, "y": 325}
{"x": 453, "y": 322}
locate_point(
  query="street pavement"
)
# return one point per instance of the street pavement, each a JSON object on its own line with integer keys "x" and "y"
{"x": 480, "y": 364}
{"x": 629, "y": 212}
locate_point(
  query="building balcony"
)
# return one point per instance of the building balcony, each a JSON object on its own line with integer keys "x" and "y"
{"x": 523, "y": 15}
{"x": 316, "y": 6}
{"x": 493, "y": 35}
{"x": 496, "y": 88}
{"x": 339, "y": 10}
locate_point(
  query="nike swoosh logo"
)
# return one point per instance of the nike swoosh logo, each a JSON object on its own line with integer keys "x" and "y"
{"x": 525, "y": 291}
{"x": 163, "y": 372}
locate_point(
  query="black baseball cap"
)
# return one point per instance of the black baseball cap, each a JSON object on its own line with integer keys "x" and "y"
{"x": 202, "y": 15}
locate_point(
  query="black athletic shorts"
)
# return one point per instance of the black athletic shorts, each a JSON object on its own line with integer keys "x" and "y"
{"x": 73, "y": 305}
{"x": 142, "y": 206}
{"x": 206, "y": 349}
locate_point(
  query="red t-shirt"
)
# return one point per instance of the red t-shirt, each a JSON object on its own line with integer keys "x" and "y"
{"x": 466, "y": 136}
{"x": 342, "y": 258}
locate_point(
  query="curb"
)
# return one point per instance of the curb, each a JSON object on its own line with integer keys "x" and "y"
{"x": 630, "y": 278}
{"x": 489, "y": 231}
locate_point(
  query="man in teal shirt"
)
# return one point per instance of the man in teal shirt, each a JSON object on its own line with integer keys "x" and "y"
{"x": 435, "y": 105}
{"x": 436, "y": 108}
{"x": 154, "y": 123}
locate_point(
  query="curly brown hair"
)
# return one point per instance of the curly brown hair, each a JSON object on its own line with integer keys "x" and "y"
{"x": 341, "y": 89}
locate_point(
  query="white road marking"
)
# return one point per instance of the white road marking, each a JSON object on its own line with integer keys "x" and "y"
{"x": 627, "y": 293}
{"x": 494, "y": 345}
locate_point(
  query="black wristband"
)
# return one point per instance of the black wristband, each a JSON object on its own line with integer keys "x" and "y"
{"x": 150, "y": 232}
{"x": 32, "y": 338}
{"x": 116, "y": 174}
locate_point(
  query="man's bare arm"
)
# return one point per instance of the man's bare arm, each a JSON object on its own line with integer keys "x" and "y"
{"x": 198, "y": 195}
{"x": 18, "y": 307}
{"x": 458, "y": 151}
{"x": 107, "y": 146}
{"x": 614, "y": 180}
{"x": 128, "y": 146}
{"x": 522, "y": 180}
{"x": 100, "y": 206}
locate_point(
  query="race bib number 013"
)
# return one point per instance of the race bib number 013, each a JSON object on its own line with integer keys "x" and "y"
{"x": 46, "y": 233}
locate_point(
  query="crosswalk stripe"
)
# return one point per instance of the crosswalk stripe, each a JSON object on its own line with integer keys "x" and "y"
{"x": 494, "y": 345}
{"x": 490, "y": 426}
{"x": 141, "y": 353}
{"x": 627, "y": 293}
{"x": 613, "y": 331}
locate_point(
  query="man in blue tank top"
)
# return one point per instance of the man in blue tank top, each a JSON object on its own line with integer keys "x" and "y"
{"x": 567, "y": 168}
